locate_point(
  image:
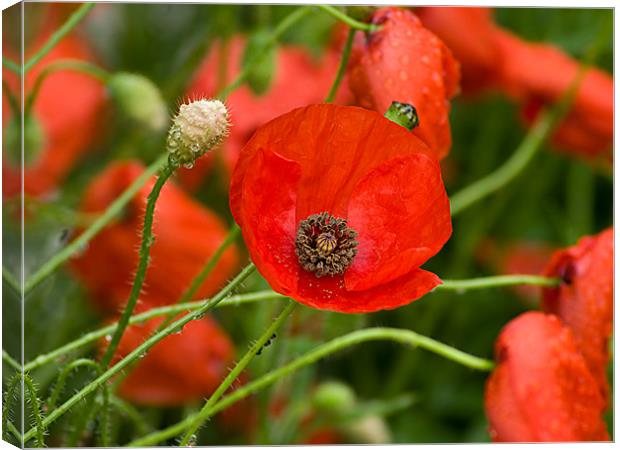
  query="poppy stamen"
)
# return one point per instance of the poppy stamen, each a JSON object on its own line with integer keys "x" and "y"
{"x": 325, "y": 245}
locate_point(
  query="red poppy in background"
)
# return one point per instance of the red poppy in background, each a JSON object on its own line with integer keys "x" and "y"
{"x": 298, "y": 81}
{"x": 180, "y": 368}
{"x": 468, "y": 33}
{"x": 65, "y": 119}
{"x": 584, "y": 301}
{"x": 345, "y": 227}
{"x": 405, "y": 62}
{"x": 186, "y": 235}
{"x": 588, "y": 128}
{"x": 541, "y": 389}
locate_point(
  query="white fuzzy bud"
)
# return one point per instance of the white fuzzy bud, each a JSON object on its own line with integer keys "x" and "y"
{"x": 197, "y": 128}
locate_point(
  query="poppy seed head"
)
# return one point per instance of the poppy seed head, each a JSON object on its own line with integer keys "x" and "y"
{"x": 325, "y": 245}
{"x": 197, "y": 128}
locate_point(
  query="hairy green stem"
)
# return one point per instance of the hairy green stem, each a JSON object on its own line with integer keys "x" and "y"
{"x": 62, "y": 379}
{"x": 14, "y": 431}
{"x": 405, "y": 337}
{"x": 35, "y": 406}
{"x": 82, "y": 240}
{"x": 9, "y": 399}
{"x": 143, "y": 262}
{"x": 335, "y": 12}
{"x": 524, "y": 153}
{"x": 344, "y": 60}
{"x": 284, "y": 25}
{"x": 205, "y": 413}
{"x": 498, "y": 281}
{"x": 145, "y": 316}
{"x": 65, "y": 29}
{"x": 75, "y": 65}
{"x": 143, "y": 348}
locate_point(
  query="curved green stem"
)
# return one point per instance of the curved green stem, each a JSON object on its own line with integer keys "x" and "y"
{"x": 65, "y": 29}
{"x": 75, "y": 65}
{"x": 145, "y": 316}
{"x": 498, "y": 281}
{"x": 405, "y": 337}
{"x": 15, "y": 432}
{"x": 143, "y": 262}
{"x": 11, "y": 65}
{"x": 9, "y": 399}
{"x": 344, "y": 60}
{"x": 131, "y": 413}
{"x": 284, "y": 25}
{"x": 205, "y": 413}
{"x": 142, "y": 349}
{"x": 35, "y": 406}
{"x": 10, "y": 361}
{"x": 113, "y": 211}
{"x": 11, "y": 281}
{"x": 335, "y": 12}
{"x": 13, "y": 102}
{"x": 62, "y": 379}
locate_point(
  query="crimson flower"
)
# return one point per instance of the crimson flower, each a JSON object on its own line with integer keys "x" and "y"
{"x": 64, "y": 123}
{"x": 541, "y": 389}
{"x": 298, "y": 81}
{"x": 405, "y": 62}
{"x": 468, "y": 32}
{"x": 584, "y": 301}
{"x": 186, "y": 235}
{"x": 339, "y": 207}
{"x": 180, "y": 368}
{"x": 587, "y": 130}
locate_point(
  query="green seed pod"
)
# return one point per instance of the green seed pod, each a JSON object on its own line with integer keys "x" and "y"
{"x": 260, "y": 57}
{"x": 139, "y": 99}
{"x": 333, "y": 397}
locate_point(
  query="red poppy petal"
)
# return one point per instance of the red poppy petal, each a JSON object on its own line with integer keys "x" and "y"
{"x": 400, "y": 223}
{"x": 329, "y": 293}
{"x": 268, "y": 218}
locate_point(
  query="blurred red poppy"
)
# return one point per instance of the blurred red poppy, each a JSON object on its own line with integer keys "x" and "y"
{"x": 298, "y": 80}
{"x": 584, "y": 301}
{"x": 346, "y": 227}
{"x": 186, "y": 235}
{"x": 541, "y": 389}
{"x": 468, "y": 32}
{"x": 405, "y": 62}
{"x": 180, "y": 368}
{"x": 66, "y": 116}
{"x": 587, "y": 130}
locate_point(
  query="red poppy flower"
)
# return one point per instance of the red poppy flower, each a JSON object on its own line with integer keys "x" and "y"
{"x": 584, "y": 301}
{"x": 588, "y": 127}
{"x": 66, "y": 115}
{"x": 186, "y": 235}
{"x": 345, "y": 227}
{"x": 468, "y": 33}
{"x": 405, "y": 62}
{"x": 298, "y": 81}
{"x": 541, "y": 389}
{"x": 180, "y": 368}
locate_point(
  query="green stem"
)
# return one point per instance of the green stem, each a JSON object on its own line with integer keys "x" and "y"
{"x": 13, "y": 102}
{"x": 35, "y": 406}
{"x": 369, "y": 334}
{"x": 205, "y": 413}
{"x": 335, "y": 12}
{"x": 131, "y": 413}
{"x": 143, "y": 348}
{"x": 344, "y": 60}
{"x": 522, "y": 156}
{"x": 95, "y": 335}
{"x": 11, "y": 281}
{"x": 498, "y": 281}
{"x": 284, "y": 25}
{"x": 113, "y": 211}
{"x": 65, "y": 29}
{"x": 145, "y": 249}
{"x": 75, "y": 65}
{"x": 62, "y": 379}
{"x": 11, "y": 65}
{"x": 10, "y": 361}
{"x": 9, "y": 399}
{"x": 204, "y": 273}
{"x": 15, "y": 432}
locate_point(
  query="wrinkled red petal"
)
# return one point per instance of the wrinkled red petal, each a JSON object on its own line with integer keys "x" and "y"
{"x": 268, "y": 218}
{"x": 401, "y": 224}
{"x": 542, "y": 390}
{"x": 162, "y": 378}
{"x": 405, "y": 62}
{"x": 584, "y": 301}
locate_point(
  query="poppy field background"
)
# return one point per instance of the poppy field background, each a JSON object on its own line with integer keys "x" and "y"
{"x": 401, "y": 394}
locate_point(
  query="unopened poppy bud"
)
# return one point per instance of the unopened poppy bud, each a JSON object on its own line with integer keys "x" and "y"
{"x": 197, "y": 128}
{"x": 334, "y": 397}
{"x": 139, "y": 99}
{"x": 403, "y": 114}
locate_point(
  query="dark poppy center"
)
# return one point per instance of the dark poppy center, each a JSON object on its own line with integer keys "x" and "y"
{"x": 325, "y": 245}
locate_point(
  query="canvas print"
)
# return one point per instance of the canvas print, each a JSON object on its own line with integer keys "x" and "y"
{"x": 230, "y": 224}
